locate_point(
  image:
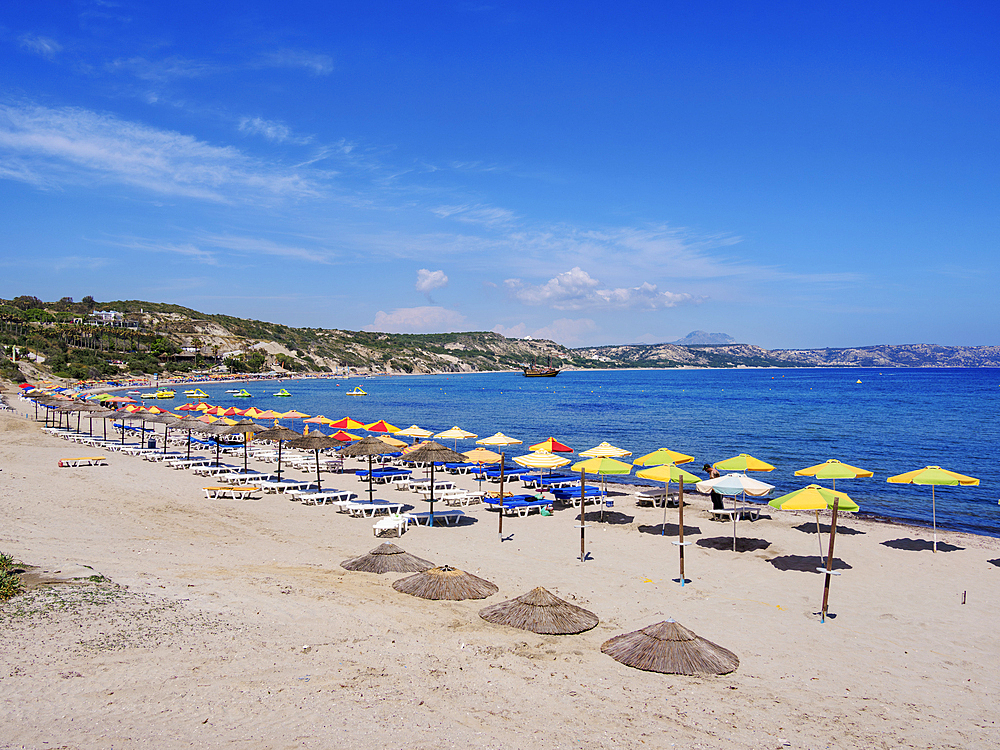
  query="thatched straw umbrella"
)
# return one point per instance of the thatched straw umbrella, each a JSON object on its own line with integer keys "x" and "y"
{"x": 315, "y": 443}
{"x": 541, "y": 612}
{"x": 445, "y": 582}
{"x": 124, "y": 416}
{"x": 387, "y": 558}
{"x": 278, "y": 434}
{"x": 168, "y": 420}
{"x": 670, "y": 648}
{"x": 246, "y": 428}
{"x": 432, "y": 451}
{"x": 191, "y": 424}
{"x": 368, "y": 446}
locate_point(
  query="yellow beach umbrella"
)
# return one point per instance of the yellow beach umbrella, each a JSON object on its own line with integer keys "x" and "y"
{"x": 319, "y": 419}
{"x": 415, "y": 432}
{"x": 833, "y": 469}
{"x": 381, "y": 426}
{"x": 605, "y": 450}
{"x": 541, "y": 459}
{"x": 482, "y": 456}
{"x": 663, "y": 456}
{"x": 348, "y": 424}
{"x": 499, "y": 440}
{"x": 934, "y": 476}
{"x": 602, "y": 466}
{"x": 743, "y": 463}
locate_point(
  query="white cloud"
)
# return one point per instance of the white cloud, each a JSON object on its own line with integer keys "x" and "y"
{"x": 490, "y": 216}
{"x": 40, "y": 45}
{"x": 565, "y": 331}
{"x": 428, "y": 281}
{"x": 259, "y": 246}
{"x": 417, "y": 320}
{"x": 318, "y": 64}
{"x": 576, "y": 289}
{"x": 271, "y": 130}
{"x": 51, "y": 147}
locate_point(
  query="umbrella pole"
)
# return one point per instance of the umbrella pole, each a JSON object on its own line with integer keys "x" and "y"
{"x": 829, "y": 560}
{"x": 246, "y": 445}
{"x": 666, "y": 492}
{"x": 818, "y": 537}
{"x": 735, "y": 516}
{"x": 430, "y": 519}
{"x": 319, "y": 486}
{"x": 680, "y": 524}
{"x": 934, "y": 516}
{"x": 165, "y": 428}
{"x": 500, "y": 521}
{"x": 279, "y": 460}
{"x": 583, "y": 518}
{"x": 371, "y": 485}
{"x": 189, "y": 445}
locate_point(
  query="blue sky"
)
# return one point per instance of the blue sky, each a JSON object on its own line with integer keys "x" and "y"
{"x": 796, "y": 175}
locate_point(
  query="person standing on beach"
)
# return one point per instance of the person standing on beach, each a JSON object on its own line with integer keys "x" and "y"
{"x": 713, "y": 473}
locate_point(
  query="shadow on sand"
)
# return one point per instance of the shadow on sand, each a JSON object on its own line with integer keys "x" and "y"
{"x": 671, "y": 530}
{"x": 994, "y": 562}
{"x": 608, "y": 516}
{"x": 726, "y": 543}
{"x": 809, "y": 527}
{"x": 806, "y": 563}
{"x": 920, "y": 545}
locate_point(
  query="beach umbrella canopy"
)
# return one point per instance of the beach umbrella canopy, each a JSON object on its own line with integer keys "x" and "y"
{"x": 934, "y": 476}
{"x": 541, "y": 459}
{"x": 668, "y": 473}
{"x": 663, "y": 456}
{"x": 254, "y": 413}
{"x": 833, "y": 469}
{"x": 551, "y": 445}
{"x": 292, "y": 414}
{"x": 397, "y": 444}
{"x": 816, "y": 498}
{"x": 381, "y": 426}
{"x": 445, "y": 582}
{"x": 268, "y": 414}
{"x": 481, "y": 456}
{"x": 188, "y": 407}
{"x": 605, "y": 450}
{"x": 540, "y": 611}
{"x": 414, "y": 432}
{"x": 743, "y": 463}
{"x": 670, "y": 648}
{"x": 344, "y": 437}
{"x": 319, "y": 419}
{"x": 247, "y": 429}
{"x": 498, "y": 440}
{"x": 457, "y": 433}
{"x": 387, "y": 558}
{"x": 348, "y": 424}
{"x": 602, "y": 466}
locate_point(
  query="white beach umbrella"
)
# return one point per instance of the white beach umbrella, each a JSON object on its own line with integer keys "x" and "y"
{"x": 732, "y": 485}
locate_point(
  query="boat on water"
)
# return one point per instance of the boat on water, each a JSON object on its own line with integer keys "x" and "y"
{"x": 165, "y": 394}
{"x": 242, "y": 394}
{"x": 233, "y": 390}
{"x": 282, "y": 393}
{"x": 195, "y": 393}
{"x": 540, "y": 372}
{"x": 147, "y": 395}
{"x": 134, "y": 393}
{"x": 356, "y": 391}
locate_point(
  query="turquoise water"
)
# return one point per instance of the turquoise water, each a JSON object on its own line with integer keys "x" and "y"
{"x": 893, "y": 421}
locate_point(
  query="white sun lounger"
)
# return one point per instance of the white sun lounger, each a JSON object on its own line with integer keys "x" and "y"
{"x": 449, "y": 516}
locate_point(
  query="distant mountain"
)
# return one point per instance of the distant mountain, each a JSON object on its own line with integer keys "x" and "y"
{"x": 704, "y": 338}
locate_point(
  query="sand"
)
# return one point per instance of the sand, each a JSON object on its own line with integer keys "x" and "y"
{"x": 217, "y": 623}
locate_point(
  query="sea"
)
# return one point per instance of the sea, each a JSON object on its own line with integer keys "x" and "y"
{"x": 888, "y": 421}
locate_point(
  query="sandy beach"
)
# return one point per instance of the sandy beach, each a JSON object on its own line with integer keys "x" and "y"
{"x": 217, "y": 623}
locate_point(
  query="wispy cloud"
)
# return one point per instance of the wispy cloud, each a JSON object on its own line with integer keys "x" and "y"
{"x": 272, "y": 130}
{"x": 260, "y": 246}
{"x": 185, "y": 249}
{"x": 417, "y": 320}
{"x": 315, "y": 63}
{"x": 51, "y": 147}
{"x": 40, "y": 45}
{"x": 162, "y": 71}
{"x": 576, "y": 289}
{"x": 490, "y": 216}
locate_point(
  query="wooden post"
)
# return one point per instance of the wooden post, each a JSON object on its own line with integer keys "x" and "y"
{"x": 666, "y": 494}
{"x": 829, "y": 559}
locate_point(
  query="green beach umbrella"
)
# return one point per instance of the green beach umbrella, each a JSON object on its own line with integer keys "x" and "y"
{"x": 833, "y": 469}
{"x": 934, "y": 475}
{"x": 663, "y": 456}
{"x": 499, "y": 440}
{"x": 602, "y": 466}
{"x": 743, "y": 463}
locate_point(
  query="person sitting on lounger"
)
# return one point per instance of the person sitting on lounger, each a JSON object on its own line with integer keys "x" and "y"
{"x": 713, "y": 473}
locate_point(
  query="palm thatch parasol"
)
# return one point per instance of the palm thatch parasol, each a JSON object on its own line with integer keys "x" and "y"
{"x": 191, "y": 424}
{"x": 168, "y": 420}
{"x": 432, "y": 451}
{"x": 279, "y": 434}
{"x": 670, "y": 648}
{"x": 246, "y": 428}
{"x": 315, "y": 443}
{"x": 445, "y": 582}
{"x": 387, "y": 558}
{"x": 368, "y": 446}
{"x": 541, "y": 612}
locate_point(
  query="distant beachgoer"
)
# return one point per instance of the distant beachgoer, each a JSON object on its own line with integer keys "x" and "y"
{"x": 713, "y": 473}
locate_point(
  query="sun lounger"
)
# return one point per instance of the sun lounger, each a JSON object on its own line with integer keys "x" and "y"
{"x": 213, "y": 468}
{"x": 424, "y": 487}
{"x": 392, "y": 522}
{"x": 462, "y": 497}
{"x": 284, "y": 485}
{"x": 726, "y": 514}
{"x": 320, "y": 497}
{"x": 449, "y": 516}
{"x": 370, "y": 510}
{"x": 230, "y": 493}
{"x": 524, "y": 507}
{"x": 246, "y": 477}
{"x": 188, "y": 463}
{"x": 86, "y": 461}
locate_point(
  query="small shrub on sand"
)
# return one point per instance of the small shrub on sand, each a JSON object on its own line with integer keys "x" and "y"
{"x": 10, "y": 583}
